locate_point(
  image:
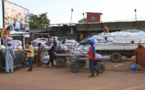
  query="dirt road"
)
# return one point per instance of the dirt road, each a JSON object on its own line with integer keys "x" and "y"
{"x": 116, "y": 77}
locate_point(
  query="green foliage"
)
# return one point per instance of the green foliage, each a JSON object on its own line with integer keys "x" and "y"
{"x": 37, "y": 21}
{"x": 0, "y": 29}
{"x": 84, "y": 20}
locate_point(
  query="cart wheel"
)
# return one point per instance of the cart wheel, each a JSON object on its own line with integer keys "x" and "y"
{"x": 60, "y": 62}
{"x": 82, "y": 63}
{"x": 100, "y": 67}
{"x": 74, "y": 67}
{"x": 116, "y": 57}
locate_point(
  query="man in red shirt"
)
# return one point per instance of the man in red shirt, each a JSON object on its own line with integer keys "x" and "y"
{"x": 91, "y": 56}
{"x": 106, "y": 29}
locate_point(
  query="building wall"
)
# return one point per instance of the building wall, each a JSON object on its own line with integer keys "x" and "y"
{"x": 93, "y": 17}
{"x": 113, "y": 26}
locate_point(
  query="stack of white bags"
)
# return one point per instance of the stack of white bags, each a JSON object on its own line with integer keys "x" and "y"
{"x": 16, "y": 44}
{"x": 125, "y": 36}
{"x": 104, "y": 38}
{"x": 42, "y": 41}
{"x": 130, "y": 36}
{"x": 71, "y": 44}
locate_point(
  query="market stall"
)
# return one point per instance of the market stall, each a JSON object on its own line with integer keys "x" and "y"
{"x": 19, "y": 50}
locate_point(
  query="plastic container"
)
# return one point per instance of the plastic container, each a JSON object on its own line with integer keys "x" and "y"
{"x": 133, "y": 67}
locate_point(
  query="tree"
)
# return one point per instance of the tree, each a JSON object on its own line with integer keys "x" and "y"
{"x": 84, "y": 20}
{"x": 0, "y": 29}
{"x": 37, "y": 21}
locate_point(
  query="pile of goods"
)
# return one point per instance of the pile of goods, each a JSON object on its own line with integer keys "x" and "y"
{"x": 40, "y": 40}
{"x": 71, "y": 44}
{"x": 104, "y": 38}
{"x": 125, "y": 36}
{"x": 16, "y": 44}
{"x": 129, "y": 36}
{"x": 43, "y": 42}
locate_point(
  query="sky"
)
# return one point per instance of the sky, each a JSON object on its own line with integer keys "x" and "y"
{"x": 59, "y": 11}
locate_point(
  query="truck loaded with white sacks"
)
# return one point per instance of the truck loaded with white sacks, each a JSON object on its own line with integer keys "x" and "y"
{"x": 116, "y": 44}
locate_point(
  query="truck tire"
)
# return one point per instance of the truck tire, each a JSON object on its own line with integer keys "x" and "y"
{"x": 82, "y": 63}
{"x": 74, "y": 67}
{"x": 116, "y": 57}
{"x": 100, "y": 67}
{"x": 60, "y": 62}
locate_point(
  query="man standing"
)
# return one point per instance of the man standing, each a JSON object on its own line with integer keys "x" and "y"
{"x": 106, "y": 29}
{"x": 91, "y": 56}
{"x": 5, "y": 33}
{"x": 40, "y": 50}
{"x": 9, "y": 58}
{"x": 30, "y": 55}
{"x": 51, "y": 54}
{"x": 49, "y": 41}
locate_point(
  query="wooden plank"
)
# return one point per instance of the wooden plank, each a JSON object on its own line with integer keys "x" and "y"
{"x": 70, "y": 54}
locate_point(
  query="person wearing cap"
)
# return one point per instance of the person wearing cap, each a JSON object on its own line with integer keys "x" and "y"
{"x": 5, "y": 32}
{"x": 9, "y": 58}
{"x": 91, "y": 56}
{"x": 106, "y": 28}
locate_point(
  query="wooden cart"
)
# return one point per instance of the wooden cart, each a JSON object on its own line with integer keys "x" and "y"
{"x": 77, "y": 61}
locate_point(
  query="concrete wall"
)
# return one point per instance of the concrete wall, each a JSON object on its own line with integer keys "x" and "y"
{"x": 113, "y": 26}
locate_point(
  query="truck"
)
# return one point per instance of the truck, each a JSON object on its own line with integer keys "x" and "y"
{"x": 116, "y": 51}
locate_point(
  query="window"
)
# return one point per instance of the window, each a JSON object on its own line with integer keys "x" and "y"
{"x": 93, "y": 18}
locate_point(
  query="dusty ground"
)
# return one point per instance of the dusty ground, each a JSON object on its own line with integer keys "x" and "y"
{"x": 117, "y": 76}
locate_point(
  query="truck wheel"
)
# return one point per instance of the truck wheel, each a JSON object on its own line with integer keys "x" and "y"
{"x": 74, "y": 67}
{"x": 82, "y": 63}
{"x": 60, "y": 62}
{"x": 116, "y": 57}
{"x": 100, "y": 67}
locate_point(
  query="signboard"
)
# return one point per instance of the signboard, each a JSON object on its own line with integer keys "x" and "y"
{"x": 16, "y": 16}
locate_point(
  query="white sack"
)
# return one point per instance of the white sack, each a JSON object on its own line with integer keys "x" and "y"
{"x": 98, "y": 37}
{"x": 102, "y": 41}
{"x": 46, "y": 57}
{"x": 110, "y": 39}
